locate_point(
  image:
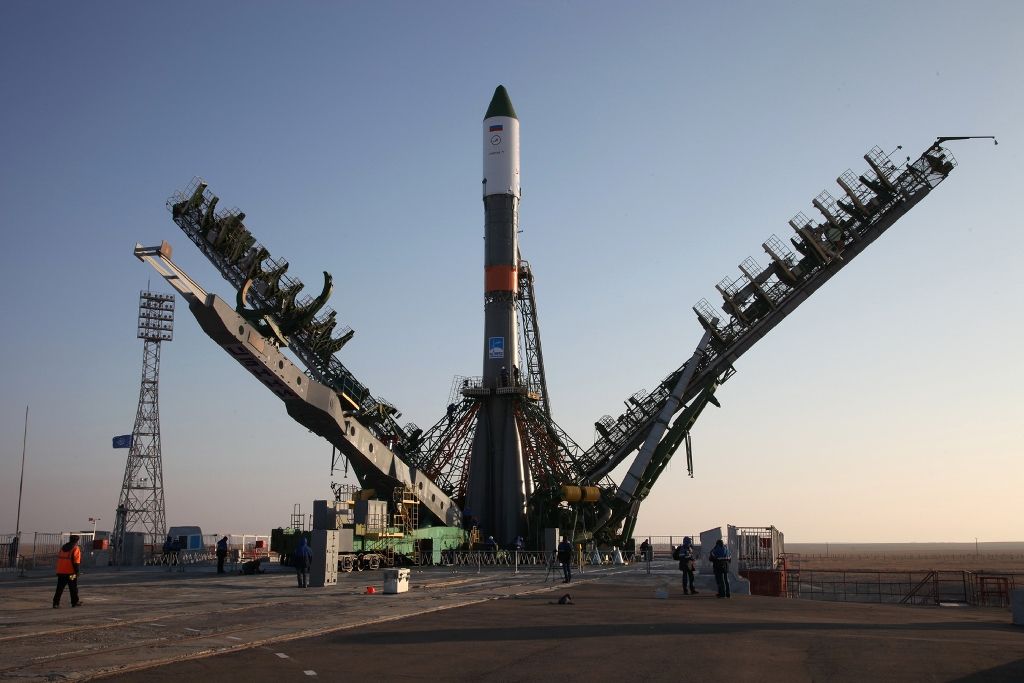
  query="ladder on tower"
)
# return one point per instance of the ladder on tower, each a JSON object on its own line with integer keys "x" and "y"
{"x": 298, "y": 520}
{"x": 407, "y": 519}
{"x": 535, "y": 379}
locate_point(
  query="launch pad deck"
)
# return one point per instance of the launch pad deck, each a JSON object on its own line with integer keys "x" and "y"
{"x": 151, "y": 624}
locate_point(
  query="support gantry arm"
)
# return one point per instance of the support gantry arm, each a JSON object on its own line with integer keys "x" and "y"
{"x": 633, "y": 481}
{"x": 314, "y": 405}
{"x": 754, "y": 304}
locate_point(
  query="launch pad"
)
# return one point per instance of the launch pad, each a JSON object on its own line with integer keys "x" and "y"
{"x": 155, "y": 626}
{"x": 497, "y": 462}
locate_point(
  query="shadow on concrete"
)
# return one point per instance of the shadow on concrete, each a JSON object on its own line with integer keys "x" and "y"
{"x": 569, "y": 631}
{"x": 1013, "y": 671}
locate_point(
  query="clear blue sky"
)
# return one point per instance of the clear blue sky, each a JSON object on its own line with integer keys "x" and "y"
{"x": 661, "y": 144}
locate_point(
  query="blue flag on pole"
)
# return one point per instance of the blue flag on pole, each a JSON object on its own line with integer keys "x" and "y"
{"x": 124, "y": 441}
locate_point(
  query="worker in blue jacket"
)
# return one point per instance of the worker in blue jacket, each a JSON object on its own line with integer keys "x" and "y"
{"x": 687, "y": 564}
{"x": 303, "y": 559}
{"x": 720, "y": 559}
{"x": 565, "y": 559}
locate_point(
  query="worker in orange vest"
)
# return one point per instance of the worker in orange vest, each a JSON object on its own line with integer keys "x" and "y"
{"x": 68, "y": 559}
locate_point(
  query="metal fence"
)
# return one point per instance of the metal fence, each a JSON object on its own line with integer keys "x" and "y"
{"x": 661, "y": 549}
{"x": 923, "y": 587}
{"x": 525, "y": 559}
{"x": 37, "y": 550}
{"x": 9, "y": 553}
{"x": 242, "y": 548}
{"x": 519, "y": 560}
{"x": 662, "y": 546}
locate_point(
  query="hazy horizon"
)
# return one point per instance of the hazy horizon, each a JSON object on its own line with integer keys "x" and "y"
{"x": 662, "y": 143}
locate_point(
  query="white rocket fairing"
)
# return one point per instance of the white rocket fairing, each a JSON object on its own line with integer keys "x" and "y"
{"x": 501, "y": 152}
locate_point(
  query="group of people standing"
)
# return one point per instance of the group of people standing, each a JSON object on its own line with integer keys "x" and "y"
{"x": 686, "y": 554}
{"x": 172, "y": 553}
{"x": 70, "y": 557}
{"x": 720, "y": 559}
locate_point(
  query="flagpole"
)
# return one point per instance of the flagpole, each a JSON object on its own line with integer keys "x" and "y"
{"x": 21, "y": 484}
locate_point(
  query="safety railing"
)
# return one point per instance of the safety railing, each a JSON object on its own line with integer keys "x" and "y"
{"x": 920, "y": 587}
{"x": 521, "y": 560}
{"x": 9, "y": 554}
{"x": 496, "y": 558}
{"x": 37, "y": 550}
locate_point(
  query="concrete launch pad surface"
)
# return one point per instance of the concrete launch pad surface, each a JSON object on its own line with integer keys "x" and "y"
{"x": 153, "y": 625}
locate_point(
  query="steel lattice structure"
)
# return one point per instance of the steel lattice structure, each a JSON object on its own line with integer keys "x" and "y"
{"x": 141, "y": 505}
{"x": 566, "y": 486}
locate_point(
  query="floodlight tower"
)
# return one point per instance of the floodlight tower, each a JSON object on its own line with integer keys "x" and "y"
{"x": 141, "y": 506}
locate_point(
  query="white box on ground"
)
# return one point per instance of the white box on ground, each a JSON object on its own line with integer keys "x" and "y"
{"x": 1017, "y": 606}
{"x": 396, "y": 580}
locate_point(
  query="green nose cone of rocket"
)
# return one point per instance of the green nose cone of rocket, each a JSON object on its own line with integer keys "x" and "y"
{"x": 500, "y": 104}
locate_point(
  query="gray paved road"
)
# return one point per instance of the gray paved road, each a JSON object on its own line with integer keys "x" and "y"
{"x": 618, "y": 630}
{"x": 461, "y": 625}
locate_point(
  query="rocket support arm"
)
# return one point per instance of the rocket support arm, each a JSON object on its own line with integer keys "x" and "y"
{"x": 312, "y": 404}
{"x": 752, "y": 318}
{"x": 629, "y": 487}
{"x": 160, "y": 259}
{"x": 676, "y": 436}
{"x": 622, "y": 507}
{"x": 660, "y": 443}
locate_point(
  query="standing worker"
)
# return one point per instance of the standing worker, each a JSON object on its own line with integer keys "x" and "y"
{"x": 176, "y": 551}
{"x": 222, "y": 553}
{"x": 12, "y": 551}
{"x": 720, "y": 558}
{"x": 565, "y": 557}
{"x": 68, "y": 560}
{"x": 168, "y": 550}
{"x": 303, "y": 559}
{"x": 687, "y": 564}
{"x": 492, "y": 550}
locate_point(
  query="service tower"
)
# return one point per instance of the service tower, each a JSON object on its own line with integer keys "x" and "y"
{"x": 496, "y": 494}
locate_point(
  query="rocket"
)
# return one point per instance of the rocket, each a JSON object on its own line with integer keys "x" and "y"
{"x": 497, "y": 488}
{"x": 501, "y": 227}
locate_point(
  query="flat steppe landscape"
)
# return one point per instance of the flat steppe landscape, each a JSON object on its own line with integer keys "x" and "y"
{"x": 986, "y": 557}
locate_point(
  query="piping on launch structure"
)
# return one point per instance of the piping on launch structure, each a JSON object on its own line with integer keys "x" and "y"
{"x": 497, "y": 451}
